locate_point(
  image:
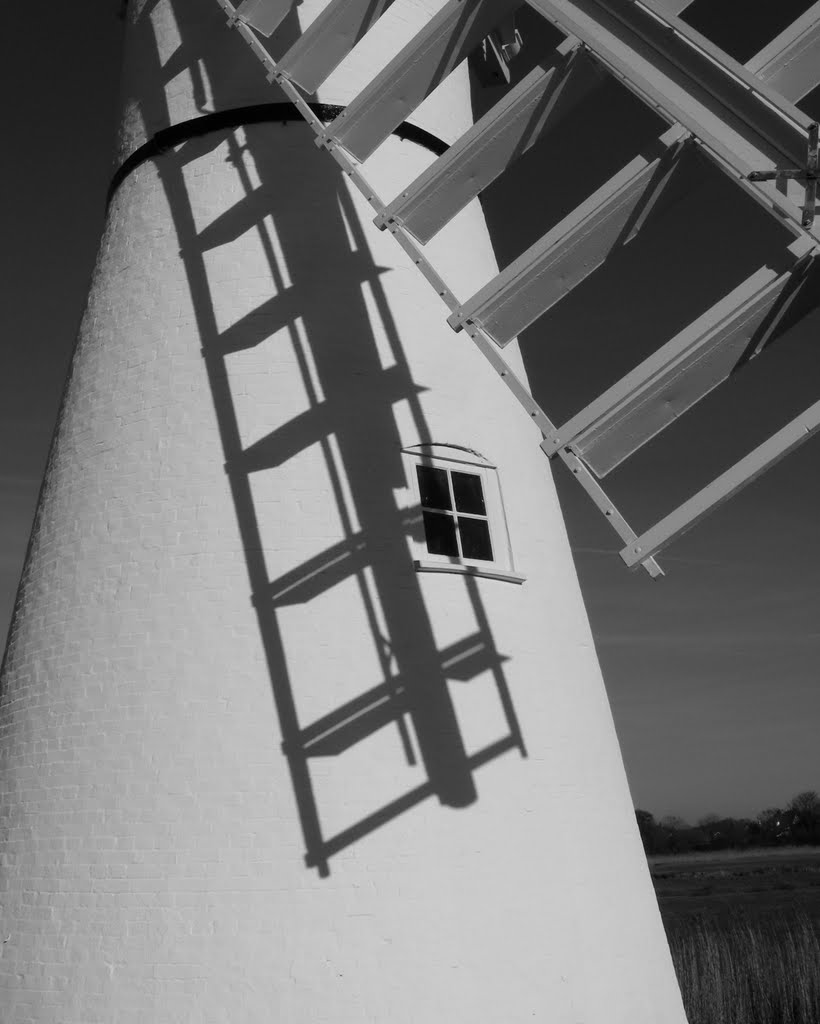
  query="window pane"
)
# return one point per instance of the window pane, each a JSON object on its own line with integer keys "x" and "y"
{"x": 440, "y": 531}
{"x": 433, "y": 487}
{"x": 467, "y": 492}
{"x": 475, "y": 539}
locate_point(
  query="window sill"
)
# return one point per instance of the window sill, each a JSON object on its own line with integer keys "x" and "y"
{"x": 423, "y": 565}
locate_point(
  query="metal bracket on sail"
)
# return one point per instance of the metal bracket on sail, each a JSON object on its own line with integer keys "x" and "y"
{"x": 491, "y": 61}
{"x": 808, "y": 175}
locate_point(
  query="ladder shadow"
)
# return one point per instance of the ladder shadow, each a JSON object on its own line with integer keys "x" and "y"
{"x": 351, "y": 420}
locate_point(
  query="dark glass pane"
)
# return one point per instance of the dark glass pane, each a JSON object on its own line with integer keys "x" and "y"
{"x": 475, "y": 539}
{"x": 468, "y": 495}
{"x": 440, "y": 531}
{"x": 433, "y": 487}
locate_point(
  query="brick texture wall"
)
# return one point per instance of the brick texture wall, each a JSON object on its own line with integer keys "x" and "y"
{"x": 254, "y": 766}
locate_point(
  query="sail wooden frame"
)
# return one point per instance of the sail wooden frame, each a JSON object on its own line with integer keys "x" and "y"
{"x": 742, "y": 118}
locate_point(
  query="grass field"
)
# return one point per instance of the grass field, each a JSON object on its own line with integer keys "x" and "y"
{"x": 744, "y": 929}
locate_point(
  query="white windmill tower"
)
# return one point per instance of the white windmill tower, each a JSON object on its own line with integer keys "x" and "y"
{"x": 301, "y": 717}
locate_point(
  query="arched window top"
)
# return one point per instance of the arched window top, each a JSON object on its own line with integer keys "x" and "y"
{"x": 464, "y": 528}
{"x": 448, "y": 450}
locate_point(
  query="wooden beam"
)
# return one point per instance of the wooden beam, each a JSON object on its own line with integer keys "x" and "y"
{"x": 415, "y": 72}
{"x": 263, "y": 15}
{"x": 605, "y": 506}
{"x": 572, "y": 250}
{"x": 687, "y": 368}
{"x": 328, "y": 39}
{"x": 790, "y": 64}
{"x": 723, "y": 487}
{"x": 539, "y": 102}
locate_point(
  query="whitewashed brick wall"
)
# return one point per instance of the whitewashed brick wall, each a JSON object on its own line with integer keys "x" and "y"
{"x": 152, "y": 855}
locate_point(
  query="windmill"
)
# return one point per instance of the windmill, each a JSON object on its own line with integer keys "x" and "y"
{"x": 302, "y": 715}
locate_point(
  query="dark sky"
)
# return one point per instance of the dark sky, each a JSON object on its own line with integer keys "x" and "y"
{"x": 711, "y": 671}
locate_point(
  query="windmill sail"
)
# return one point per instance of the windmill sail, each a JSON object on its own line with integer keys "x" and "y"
{"x": 740, "y": 119}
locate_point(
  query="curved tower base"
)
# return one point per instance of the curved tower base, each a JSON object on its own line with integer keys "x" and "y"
{"x": 258, "y": 765}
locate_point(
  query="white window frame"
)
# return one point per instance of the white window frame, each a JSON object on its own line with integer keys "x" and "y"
{"x": 458, "y": 459}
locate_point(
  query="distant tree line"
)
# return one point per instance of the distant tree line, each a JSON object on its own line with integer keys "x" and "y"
{"x": 798, "y": 823}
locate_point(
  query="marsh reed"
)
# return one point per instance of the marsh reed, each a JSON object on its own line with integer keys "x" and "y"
{"x": 748, "y": 971}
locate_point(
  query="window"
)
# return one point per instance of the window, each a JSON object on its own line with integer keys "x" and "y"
{"x": 463, "y": 525}
{"x": 454, "y": 513}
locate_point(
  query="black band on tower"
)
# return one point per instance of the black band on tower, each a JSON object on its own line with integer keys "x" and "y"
{"x": 167, "y": 138}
